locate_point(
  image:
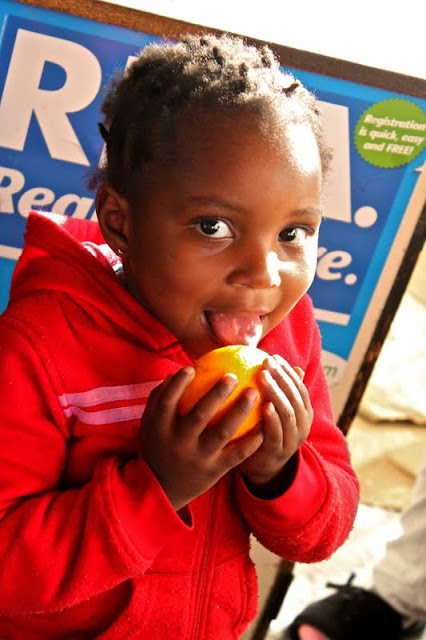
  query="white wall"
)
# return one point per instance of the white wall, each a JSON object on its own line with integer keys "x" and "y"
{"x": 387, "y": 34}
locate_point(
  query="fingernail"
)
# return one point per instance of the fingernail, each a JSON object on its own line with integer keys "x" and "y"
{"x": 188, "y": 372}
{"x": 230, "y": 379}
{"x": 299, "y": 372}
{"x": 271, "y": 362}
{"x": 269, "y": 408}
{"x": 267, "y": 377}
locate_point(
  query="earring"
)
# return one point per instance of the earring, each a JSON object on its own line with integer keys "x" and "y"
{"x": 120, "y": 252}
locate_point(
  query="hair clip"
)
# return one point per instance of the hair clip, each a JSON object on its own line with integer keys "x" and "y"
{"x": 292, "y": 87}
{"x": 104, "y": 133}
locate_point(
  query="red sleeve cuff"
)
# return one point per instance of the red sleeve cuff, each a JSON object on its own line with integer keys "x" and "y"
{"x": 294, "y": 508}
{"x": 143, "y": 510}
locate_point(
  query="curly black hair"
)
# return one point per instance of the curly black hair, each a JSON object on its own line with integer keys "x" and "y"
{"x": 144, "y": 106}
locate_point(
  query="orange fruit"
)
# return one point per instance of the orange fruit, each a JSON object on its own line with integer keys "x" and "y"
{"x": 243, "y": 361}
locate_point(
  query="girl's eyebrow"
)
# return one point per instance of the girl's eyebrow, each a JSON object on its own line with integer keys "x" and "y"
{"x": 306, "y": 212}
{"x": 309, "y": 212}
{"x": 215, "y": 202}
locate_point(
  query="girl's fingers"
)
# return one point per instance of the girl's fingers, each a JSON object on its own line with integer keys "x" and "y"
{"x": 273, "y": 428}
{"x": 290, "y": 380}
{"x": 299, "y": 372}
{"x": 169, "y": 392}
{"x": 158, "y": 389}
{"x": 239, "y": 450}
{"x": 287, "y": 381}
{"x": 272, "y": 420}
{"x": 219, "y": 435}
{"x": 284, "y": 397}
{"x": 203, "y": 411}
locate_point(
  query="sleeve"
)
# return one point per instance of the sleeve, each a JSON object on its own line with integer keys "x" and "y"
{"x": 61, "y": 547}
{"x": 316, "y": 514}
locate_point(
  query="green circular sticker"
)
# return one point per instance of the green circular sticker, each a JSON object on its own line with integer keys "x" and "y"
{"x": 391, "y": 133}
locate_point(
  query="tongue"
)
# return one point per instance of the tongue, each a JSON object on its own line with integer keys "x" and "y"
{"x": 231, "y": 329}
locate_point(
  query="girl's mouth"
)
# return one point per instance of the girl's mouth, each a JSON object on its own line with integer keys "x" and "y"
{"x": 235, "y": 329}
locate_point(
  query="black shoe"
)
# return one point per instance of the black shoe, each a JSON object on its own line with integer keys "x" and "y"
{"x": 352, "y": 613}
{"x": 413, "y": 630}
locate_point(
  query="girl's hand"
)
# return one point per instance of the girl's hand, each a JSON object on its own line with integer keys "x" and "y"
{"x": 288, "y": 416}
{"x": 186, "y": 458}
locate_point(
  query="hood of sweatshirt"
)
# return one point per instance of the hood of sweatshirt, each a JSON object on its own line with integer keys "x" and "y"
{"x": 70, "y": 256}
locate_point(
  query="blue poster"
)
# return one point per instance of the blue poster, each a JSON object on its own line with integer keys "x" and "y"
{"x": 49, "y": 140}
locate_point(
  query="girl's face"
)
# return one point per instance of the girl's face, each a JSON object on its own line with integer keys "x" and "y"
{"x": 224, "y": 243}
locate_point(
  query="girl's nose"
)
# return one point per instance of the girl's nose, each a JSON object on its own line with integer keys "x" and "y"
{"x": 258, "y": 269}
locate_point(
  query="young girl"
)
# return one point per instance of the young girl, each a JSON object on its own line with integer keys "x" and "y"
{"x": 121, "y": 519}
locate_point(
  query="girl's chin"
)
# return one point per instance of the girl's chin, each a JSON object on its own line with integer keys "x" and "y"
{"x": 197, "y": 347}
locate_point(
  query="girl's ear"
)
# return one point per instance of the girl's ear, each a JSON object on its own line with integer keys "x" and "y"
{"x": 113, "y": 213}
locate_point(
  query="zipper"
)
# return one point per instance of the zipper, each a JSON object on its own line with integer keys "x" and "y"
{"x": 200, "y": 593}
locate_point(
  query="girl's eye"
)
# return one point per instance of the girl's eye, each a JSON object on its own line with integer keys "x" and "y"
{"x": 214, "y": 228}
{"x": 296, "y": 235}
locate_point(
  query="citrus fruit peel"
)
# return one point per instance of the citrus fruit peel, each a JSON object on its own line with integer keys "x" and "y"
{"x": 245, "y": 363}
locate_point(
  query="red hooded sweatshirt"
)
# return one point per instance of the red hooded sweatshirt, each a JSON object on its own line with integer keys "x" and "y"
{"x": 90, "y": 546}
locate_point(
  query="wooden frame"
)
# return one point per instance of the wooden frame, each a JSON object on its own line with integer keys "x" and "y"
{"x": 172, "y": 28}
